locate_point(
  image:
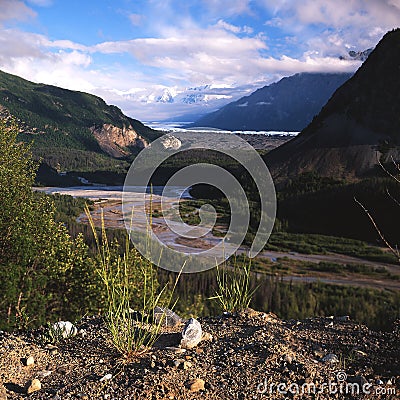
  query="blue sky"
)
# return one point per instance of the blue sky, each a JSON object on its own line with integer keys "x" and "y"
{"x": 151, "y": 57}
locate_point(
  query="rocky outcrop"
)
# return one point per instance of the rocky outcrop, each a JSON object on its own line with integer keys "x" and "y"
{"x": 118, "y": 142}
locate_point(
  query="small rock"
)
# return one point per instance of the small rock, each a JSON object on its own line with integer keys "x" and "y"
{"x": 166, "y": 317}
{"x": 361, "y": 353}
{"x": 191, "y": 334}
{"x": 52, "y": 349}
{"x": 106, "y": 377}
{"x": 343, "y": 318}
{"x": 43, "y": 374}
{"x": 187, "y": 365}
{"x": 33, "y": 386}
{"x": 28, "y": 361}
{"x": 288, "y": 359}
{"x": 196, "y": 385}
{"x": 171, "y": 142}
{"x": 176, "y": 350}
{"x": 330, "y": 358}
{"x": 178, "y": 362}
{"x": 83, "y": 396}
{"x": 64, "y": 329}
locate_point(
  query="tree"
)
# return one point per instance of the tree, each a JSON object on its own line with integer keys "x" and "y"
{"x": 42, "y": 268}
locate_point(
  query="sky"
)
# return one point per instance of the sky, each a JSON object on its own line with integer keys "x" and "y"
{"x": 157, "y": 59}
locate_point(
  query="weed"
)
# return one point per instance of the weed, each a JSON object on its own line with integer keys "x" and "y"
{"x": 234, "y": 292}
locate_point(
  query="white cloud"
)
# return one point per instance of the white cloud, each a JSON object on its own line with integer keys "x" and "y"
{"x": 15, "y": 10}
{"x": 233, "y": 28}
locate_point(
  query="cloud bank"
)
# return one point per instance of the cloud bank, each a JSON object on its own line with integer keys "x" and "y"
{"x": 226, "y": 49}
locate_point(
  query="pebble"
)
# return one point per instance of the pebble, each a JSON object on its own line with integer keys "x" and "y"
{"x": 176, "y": 350}
{"x": 65, "y": 329}
{"x": 343, "y": 318}
{"x": 28, "y": 361}
{"x": 166, "y": 317}
{"x": 187, "y": 365}
{"x": 106, "y": 377}
{"x": 196, "y": 385}
{"x": 191, "y": 334}
{"x": 33, "y": 386}
{"x": 43, "y": 374}
{"x": 330, "y": 358}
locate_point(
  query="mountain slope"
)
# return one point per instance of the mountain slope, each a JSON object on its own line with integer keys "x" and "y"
{"x": 287, "y": 105}
{"x": 65, "y": 124}
{"x": 359, "y": 124}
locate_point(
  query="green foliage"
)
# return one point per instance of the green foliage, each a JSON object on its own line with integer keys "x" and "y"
{"x": 234, "y": 292}
{"x": 59, "y": 122}
{"x": 131, "y": 294}
{"x": 321, "y": 244}
{"x": 44, "y": 272}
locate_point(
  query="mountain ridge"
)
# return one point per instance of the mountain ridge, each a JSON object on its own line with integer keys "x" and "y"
{"x": 60, "y": 120}
{"x": 286, "y": 105}
{"x": 358, "y": 128}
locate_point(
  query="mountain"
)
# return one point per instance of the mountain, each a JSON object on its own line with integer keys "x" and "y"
{"x": 287, "y": 105}
{"x": 70, "y": 129}
{"x": 359, "y": 125}
{"x": 357, "y": 55}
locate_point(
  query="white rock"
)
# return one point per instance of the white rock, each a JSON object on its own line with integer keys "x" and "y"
{"x": 171, "y": 142}
{"x": 106, "y": 378}
{"x": 65, "y": 329}
{"x": 166, "y": 317}
{"x": 191, "y": 334}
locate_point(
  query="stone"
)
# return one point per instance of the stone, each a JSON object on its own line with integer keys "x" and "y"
{"x": 195, "y": 385}
{"x": 106, "y": 377}
{"x": 28, "y": 361}
{"x": 33, "y": 386}
{"x": 166, "y": 317}
{"x": 187, "y": 365}
{"x": 330, "y": 358}
{"x": 43, "y": 374}
{"x": 191, "y": 334}
{"x": 343, "y": 318}
{"x": 52, "y": 349}
{"x": 171, "y": 142}
{"x": 64, "y": 329}
{"x": 176, "y": 350}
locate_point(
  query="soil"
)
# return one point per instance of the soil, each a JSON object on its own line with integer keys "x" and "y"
{"x": 249, "y": 356}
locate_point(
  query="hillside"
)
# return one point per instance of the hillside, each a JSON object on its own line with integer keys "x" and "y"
{"x": 252, "y": 355}
{"x": 70, "y": 129}
{"x": 359, "y": 125}
{"x": 287, "y": 105}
